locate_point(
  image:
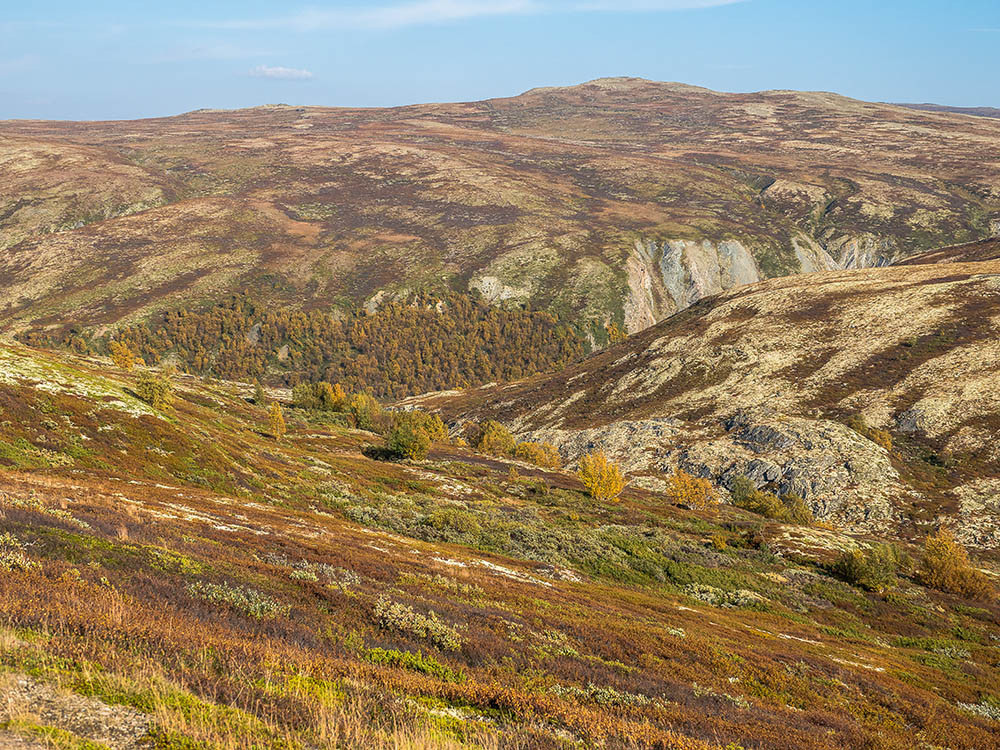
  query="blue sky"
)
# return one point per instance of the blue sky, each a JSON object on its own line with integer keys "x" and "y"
{"x": 68, "y": 59}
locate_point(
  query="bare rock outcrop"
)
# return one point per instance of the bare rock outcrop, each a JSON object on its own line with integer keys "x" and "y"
{"x": 845, "y": 478}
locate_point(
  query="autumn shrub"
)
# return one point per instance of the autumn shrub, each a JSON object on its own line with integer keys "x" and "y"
{"x": 689, "y": 491}
{"x": 365, "y": 411}
{"x": 429, "y": 424}
{"x": 304, "y": 396}
{"x": 878, "y": 436}
{"x": 789, "y": 508}
{"x": 493, "y": 438}
{"x": 12, "y": 555}
{"x": 407, "y": 440}
{"x": 746, "y": 495}
{"x": 402, "y": 618}
{"x": 873, "y": 569}
{"x": 258, "y": 605}
{"x": 154, "y": 389}
{"x": 320, "y": 396}
{"x": 411, "y": 434}
{"x": 945, "y": 566}
{"x": 742, "y": 598}
{"x": 602, "y": 695}
{"x": 602, "y": 478}
{"x": 453, "y": 519}
{"x": 539, "y": 454}
{"x": 330, "y": 397}
{"x": 797, "y": 510}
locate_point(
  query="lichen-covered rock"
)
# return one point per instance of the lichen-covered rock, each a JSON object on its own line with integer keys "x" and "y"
{"x": 844, "y": 477}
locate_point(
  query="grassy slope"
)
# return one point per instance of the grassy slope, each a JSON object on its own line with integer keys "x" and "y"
{"x": 546, "y": 193}
{"x": 575, "y": 621}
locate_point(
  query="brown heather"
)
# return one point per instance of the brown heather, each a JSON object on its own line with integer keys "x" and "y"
{"x": 237, "y": 591}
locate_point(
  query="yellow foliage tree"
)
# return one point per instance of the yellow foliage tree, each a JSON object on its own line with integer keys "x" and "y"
{"x": 331, "y": 397}
{"x": 493, "y": 438}
{"x": 121, "y": 355}
{"x": 690, "y": 491}
{"x": 277, "y": 421}
{"x": 154, "y": 388}
{"x": 615, "y": 333}
{"x": 602, "y": 478}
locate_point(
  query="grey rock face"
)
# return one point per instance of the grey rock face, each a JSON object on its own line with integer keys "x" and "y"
{"x": 664, "y": 277}
{"x": 667, "y": 276}
{"x": 862, "y": 251}
{"x": 845, "y": 478}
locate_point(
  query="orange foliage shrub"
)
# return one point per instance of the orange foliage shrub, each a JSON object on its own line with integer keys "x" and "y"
{"x": 946, "y": 567}
{"x": 690, "y": 491}
{"x": 539, "y": 454}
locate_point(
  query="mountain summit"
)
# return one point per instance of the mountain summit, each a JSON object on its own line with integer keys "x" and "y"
{"x": 616, "y": 201}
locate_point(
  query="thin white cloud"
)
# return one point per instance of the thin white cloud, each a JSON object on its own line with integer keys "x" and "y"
{"x": 427, "y": 12}
{"x": 281, "y": 73}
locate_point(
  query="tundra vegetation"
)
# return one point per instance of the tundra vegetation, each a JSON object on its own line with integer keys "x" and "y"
{"x": 182, "y": 572}
{"x": 664, "y": 194}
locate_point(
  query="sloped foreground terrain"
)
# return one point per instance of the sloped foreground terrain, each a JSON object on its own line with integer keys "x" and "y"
{"x": 871, "y": 393}
{"x": 176, "y": 578}
{"x": 619, "y": 200}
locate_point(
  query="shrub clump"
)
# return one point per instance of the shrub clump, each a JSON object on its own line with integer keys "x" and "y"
{"x": 250, "y": 601}
{"x": 493, "y": 438}
{"x": 788, "y": 508}
{"x": 412, "y": 434}
{"x": 690, "y": 491}
{"x": 721, "y": 598}
{"x": 12, "y": 555}
{"x": 365, "y": 410}
{"x": 407, "y": 440}
{"x": 876, "y": 435}
{"x": 946, "y": 567}
{"x": 404, "y": 619}
{"x": 539, "y": 454}
{"x": 873, "y": 569}
{"x": 154, "y": 389}
{"x": 320, "y": 396}
{"x": 988, "y": 708}
{"x": 602, "y": 478}
{"x": 601, "y": 695}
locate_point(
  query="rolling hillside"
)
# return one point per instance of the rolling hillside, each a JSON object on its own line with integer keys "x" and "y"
{"x": 174, "y": 577}
{"x": 765, "y": 380}
{"x": 619, "y": 200}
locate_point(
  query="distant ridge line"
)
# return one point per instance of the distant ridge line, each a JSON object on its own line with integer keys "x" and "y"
{"x": 992, "y": 112}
